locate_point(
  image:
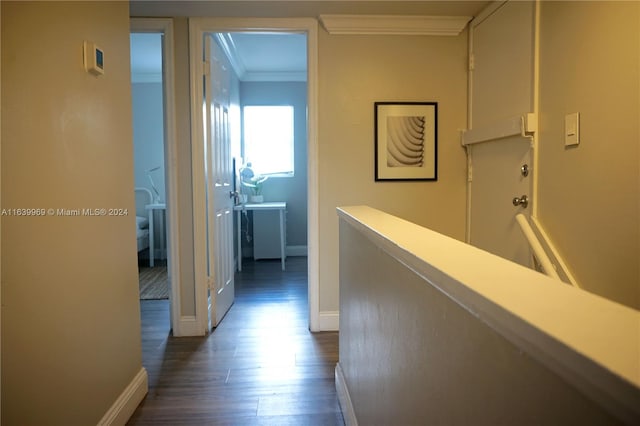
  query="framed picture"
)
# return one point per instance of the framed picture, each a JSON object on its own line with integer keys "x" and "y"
{"x": 406, "y": 141}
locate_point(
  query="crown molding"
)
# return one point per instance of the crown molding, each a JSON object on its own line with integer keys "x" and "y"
{"x": 395, "y": 24}
{"x": 229, "y": 47}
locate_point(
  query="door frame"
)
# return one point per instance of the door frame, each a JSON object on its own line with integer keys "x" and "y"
{"x": 164, "y": 26}
{"x": 197, "y": 28}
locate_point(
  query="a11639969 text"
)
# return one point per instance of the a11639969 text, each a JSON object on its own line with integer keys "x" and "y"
{"x": 30, "y": 212}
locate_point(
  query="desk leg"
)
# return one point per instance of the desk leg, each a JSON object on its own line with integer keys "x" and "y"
{"x": 239, "y": 234}
{"x": 282, "y": 239}
{"x": 151, "y": 239}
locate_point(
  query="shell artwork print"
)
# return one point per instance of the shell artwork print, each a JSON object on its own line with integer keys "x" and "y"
{"x": 405, "y": 141}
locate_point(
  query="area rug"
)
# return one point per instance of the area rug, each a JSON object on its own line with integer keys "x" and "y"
{"x": 154, "y": 283}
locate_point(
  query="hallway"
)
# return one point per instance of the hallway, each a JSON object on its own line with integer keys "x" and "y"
{"x": 261, "y": 366}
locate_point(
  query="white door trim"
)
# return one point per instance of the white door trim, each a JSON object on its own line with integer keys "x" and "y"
{"x": 197, "y": 27}
{"x": 165, "y": 26}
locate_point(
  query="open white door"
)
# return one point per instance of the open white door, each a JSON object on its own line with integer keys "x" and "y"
{"x": 219, "y": 184}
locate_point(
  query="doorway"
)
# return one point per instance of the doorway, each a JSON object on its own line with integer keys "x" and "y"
{"x": 154, "y": 156}
{"x": 198, "y": 28}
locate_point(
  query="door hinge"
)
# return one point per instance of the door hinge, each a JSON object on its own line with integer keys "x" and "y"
{"x": 472, "y": 62}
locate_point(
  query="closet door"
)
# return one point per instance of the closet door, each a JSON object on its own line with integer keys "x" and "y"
{"x": 502, "y": 93}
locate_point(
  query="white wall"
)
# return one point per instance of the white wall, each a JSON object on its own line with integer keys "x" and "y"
{"x": 70, "y": 314}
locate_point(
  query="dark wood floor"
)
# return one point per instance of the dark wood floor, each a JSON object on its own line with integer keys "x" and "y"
{"x": 261, "y": 366}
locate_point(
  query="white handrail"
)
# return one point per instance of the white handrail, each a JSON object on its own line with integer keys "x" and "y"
{"x": 535, "y": 245}
{"x": 563, "y": 270}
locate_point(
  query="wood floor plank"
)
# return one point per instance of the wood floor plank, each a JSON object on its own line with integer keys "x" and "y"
{"x": 261, "y": 366}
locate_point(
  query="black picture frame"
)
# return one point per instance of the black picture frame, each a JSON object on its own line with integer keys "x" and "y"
{"x": 406, "y": 141}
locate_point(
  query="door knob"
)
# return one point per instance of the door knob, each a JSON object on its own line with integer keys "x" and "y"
{"x": 521, "y": 201}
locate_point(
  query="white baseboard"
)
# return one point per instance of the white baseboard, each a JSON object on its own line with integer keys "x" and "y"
{"x": 128, "y": 401}
{"x": 188, "y": 326}
{"x": 348, "y": 413}
{"x": 329, "y": 321}
{"x": 296, "y": 251}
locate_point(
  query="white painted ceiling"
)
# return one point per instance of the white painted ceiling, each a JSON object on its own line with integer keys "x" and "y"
{"x": 255, "y": 56}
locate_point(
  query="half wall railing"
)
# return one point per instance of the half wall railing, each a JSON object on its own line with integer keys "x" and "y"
{"x": 435, "y": 331}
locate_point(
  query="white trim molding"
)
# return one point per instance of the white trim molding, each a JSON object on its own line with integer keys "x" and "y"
{"x": 329, "y": 321}
{"x": 395, "y": 24}
{"x": 128, "y": 401}
{"x": 346, "y": 406}
{"x": 188, "y": 326}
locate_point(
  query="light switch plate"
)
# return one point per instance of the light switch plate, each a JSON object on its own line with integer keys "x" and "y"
{"x": 572, "y": 129}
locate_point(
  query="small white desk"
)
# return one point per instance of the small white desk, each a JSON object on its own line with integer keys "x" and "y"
{"x": 152, "y": 208}
{"x": 281, "y": 206}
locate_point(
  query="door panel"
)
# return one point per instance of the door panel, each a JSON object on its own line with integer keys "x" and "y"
{"x": 502, "y": 88}
{"x": 503, "y": 64}
{"x": 497, "y": 179}
{"x": 218, "y": 169}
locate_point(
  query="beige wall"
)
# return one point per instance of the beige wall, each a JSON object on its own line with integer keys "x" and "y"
{"x": 355, "y": 72}
{"x": 70, "y": 314}
{"x": 589, "y": 196}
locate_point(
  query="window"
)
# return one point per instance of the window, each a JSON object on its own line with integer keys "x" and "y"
{"x": 268, "y": 139}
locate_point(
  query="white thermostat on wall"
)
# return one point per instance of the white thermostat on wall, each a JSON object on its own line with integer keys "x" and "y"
{"x": 93, "y": 58}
